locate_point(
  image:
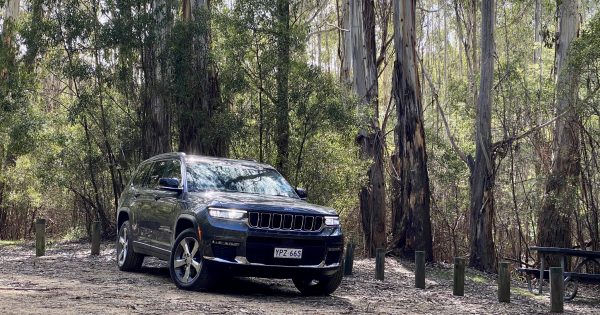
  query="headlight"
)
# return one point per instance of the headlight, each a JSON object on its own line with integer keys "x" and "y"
{"x": 332, "y": 221}
{"x": 229, "y": 214}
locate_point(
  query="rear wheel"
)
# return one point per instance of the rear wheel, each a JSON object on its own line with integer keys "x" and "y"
{"x": 188, "y": 269}
{"x": 321, "y": 285}
{"x": 127, "y": 259}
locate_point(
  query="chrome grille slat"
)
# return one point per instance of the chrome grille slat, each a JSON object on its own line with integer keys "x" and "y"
{"x": 285, "y": 222}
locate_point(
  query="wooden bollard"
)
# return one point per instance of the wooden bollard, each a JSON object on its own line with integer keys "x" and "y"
{"x": 420, "y": 269}
{"x": 458, "y": 286}
{"x": 40, "y": 237}
{"x": 96, "y": 238}
{"x": 556, "y": 290}
{"x": 379, "y": 263}
{"x": 349, "y": 259}
{"x": 503, "y": 282}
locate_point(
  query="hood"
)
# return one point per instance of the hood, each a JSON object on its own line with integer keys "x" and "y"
{"x": 245, "y": 201}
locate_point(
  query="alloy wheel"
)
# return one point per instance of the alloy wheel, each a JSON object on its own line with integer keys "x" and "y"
{"x": 123, "y": 244}
{"x": 187, "y": 261}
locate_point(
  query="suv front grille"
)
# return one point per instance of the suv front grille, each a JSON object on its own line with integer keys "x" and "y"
{"x": 285, "y": 221}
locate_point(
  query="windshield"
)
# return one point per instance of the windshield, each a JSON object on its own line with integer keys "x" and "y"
{"x": 236, "y": 177}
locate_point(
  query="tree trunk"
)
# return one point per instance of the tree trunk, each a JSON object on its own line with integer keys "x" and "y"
{"x": 483, "y": 255}
{"x": 537, "y": 28}
{"x": 560, "y": 200}
{"x": 156, "y": 129}
{"x": 345, "y": 43}
{"x": 196, "y": 126}
{"x": 11, "y": 14}
{"x": 411, "y": 225}
{"x": 370, "y": 138}
{"x": 282, "y": 127}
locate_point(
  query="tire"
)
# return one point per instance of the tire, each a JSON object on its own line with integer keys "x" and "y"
{"x": 187, "y": 269}
{"x": 323, "y": 285}
{"x": 127, "y": 259}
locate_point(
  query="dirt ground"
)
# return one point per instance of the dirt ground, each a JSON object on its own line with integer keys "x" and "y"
{"x": 69, "y": 280}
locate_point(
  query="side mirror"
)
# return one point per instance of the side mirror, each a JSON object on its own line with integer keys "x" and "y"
{"x": 302, "y": 193}
{"x": 170, "y": 184}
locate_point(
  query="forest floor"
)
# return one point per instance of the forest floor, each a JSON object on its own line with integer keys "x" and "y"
{"x": 69, "y": 280}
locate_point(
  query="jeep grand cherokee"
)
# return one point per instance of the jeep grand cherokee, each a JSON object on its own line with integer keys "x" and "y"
{"x": 212, "y": 217}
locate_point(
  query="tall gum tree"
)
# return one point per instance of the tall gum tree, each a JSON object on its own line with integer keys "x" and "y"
{"x": 282, "y": 124}
{"x": 560, "y": 199}
{"x": 198, "y": 110}
{"x": 156, "y": 114}
{"x": 370, "y": 137}
{"x": 482, "y": 249}
{"x": 411, "y": 225}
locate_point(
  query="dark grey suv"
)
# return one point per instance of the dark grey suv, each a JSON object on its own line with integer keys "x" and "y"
{"x": 211, "y": 218}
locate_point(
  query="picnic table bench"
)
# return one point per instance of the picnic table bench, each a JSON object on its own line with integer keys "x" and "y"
{"x": 572, "y": 278}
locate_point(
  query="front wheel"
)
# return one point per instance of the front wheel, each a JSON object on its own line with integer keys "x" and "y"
{"x": 188, "y": 269}
{"x": 323, "y": 285}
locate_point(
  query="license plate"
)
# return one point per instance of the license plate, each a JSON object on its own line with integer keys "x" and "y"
{"x": 293, "y": 253}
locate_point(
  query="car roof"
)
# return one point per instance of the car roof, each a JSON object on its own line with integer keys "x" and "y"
{"x": 201, "y": 158}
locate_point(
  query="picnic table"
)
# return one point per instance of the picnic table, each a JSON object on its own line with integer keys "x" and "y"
{"x": 584, "y": 257}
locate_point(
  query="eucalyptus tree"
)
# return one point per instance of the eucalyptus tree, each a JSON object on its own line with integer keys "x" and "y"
{"x": 560, "y": 202}
{"x": 482, "y": 249}
{"x": 363, "y": 52}
{"x": 156, "y": 109}
{"x": 411, "y": 225}
{"x": 195, "y": 83}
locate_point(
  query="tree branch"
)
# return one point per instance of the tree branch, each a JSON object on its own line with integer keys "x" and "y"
{"x": 458, "y": 151}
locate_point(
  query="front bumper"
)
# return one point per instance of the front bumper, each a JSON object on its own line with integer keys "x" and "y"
{"x": 241, "y": 267}
{"x": 238, "y": 250}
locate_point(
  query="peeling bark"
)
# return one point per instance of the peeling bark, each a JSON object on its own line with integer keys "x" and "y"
{"x": 411, "y": 225}
{"x": 370, "y": 138}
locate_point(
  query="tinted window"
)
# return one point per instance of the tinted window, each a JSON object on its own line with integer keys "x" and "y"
{"x": 237, "y": 177}
{"x": 140, "y": 174}
{"x": 158, "y": 168}
{"x": 172, "y": 169}
{"x": 162, "y": 169}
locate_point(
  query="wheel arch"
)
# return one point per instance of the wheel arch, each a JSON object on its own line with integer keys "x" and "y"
{"x": 184, "y": 221}
{"x": 124, "y": 215}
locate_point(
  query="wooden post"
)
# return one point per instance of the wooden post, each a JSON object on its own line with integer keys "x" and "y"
{"x": 379, "y": 263}
{"x": 458, "y": 286}
{"x": 349, "y": 259}
{"x": 541, "y": 272}
{"x": 96, "y": 238}
{"x": 556, "y": 290}
{"x": 40, "y": 237}
{"x": 503, "y": 282}
{"x": 420, "y": 269}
